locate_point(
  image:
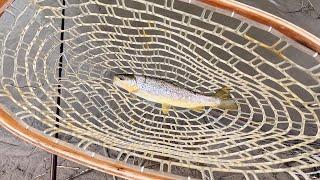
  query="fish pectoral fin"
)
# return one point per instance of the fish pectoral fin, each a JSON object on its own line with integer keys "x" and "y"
{"x": 165, "y": 108}
{"x": 223, "y": 93}
{"x": 133, "y": 89}
{"x": 198, "y": 109}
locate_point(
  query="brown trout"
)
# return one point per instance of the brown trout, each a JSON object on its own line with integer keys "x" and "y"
{"x": 168, "y": 94}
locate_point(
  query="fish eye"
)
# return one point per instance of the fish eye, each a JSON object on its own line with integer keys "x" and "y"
{"x": 121, "y": 77}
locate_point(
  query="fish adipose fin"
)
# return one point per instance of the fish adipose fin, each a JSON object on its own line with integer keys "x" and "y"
{"x": 165, "y": 108}
{"x": 226, "y": 100}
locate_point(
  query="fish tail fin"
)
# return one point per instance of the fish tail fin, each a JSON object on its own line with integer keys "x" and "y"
{"x": 223, "y": 93}
{"x": 226, "y": 100}
{"x": 229, "y": 104}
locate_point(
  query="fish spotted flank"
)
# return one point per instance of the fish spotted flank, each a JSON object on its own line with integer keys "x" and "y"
{"x": 167, "y": 94}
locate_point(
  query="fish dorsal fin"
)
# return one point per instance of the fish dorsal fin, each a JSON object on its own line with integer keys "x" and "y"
{"x": 223, "y": 93}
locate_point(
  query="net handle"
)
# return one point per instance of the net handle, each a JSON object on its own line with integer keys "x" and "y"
{"x": 285, "y": 27}
{"x": 4, "y": 4}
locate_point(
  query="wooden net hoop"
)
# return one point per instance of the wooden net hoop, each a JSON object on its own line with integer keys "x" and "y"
{"x": 271, "y": 65}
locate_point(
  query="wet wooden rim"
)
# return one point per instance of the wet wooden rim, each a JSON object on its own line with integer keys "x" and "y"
{"x": 285, "y": 27}
{"x": 74, "y": 154}
{"x": 4, "y": 4}
{"x": 120, "y": 169}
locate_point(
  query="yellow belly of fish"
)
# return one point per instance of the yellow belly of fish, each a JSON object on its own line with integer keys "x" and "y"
{"x": 168, "y": 102}
{"x": 223, "y": 99}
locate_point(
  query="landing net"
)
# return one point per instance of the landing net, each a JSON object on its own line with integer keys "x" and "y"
{"x": 274, "y": 133}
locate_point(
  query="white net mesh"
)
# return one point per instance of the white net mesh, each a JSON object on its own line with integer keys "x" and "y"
{"x": 274, "y": 133}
